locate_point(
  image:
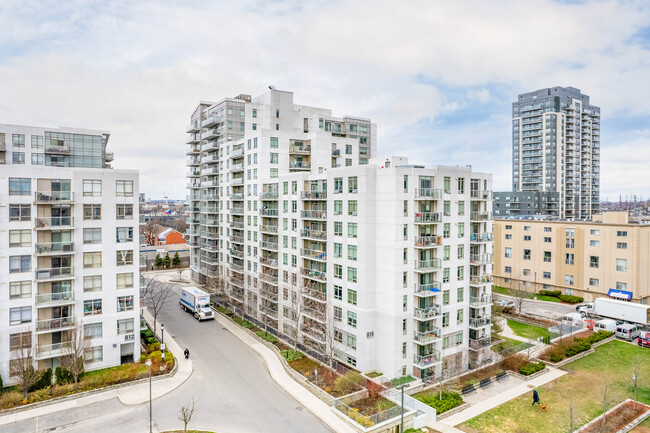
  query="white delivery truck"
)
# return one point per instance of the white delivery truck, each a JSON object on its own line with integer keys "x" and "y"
{"x": 198, "y": 302}
{"x": 618, "y": 310}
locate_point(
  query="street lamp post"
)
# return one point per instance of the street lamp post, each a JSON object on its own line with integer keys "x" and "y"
{"x": 148, "y": 362}
{"x": 162, "y": 331}
{"x": 401, "y": 388}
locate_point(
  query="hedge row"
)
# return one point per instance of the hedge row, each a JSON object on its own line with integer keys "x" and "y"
{"x": 564, "y": 298}
{"x": 531, "y": 368}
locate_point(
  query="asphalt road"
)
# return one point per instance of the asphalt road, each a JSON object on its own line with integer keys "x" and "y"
{"x": 551, "y": 310}
{"x": 235, "y": 392}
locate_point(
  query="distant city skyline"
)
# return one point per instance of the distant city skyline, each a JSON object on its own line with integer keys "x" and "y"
{"x": 438, "y": 78}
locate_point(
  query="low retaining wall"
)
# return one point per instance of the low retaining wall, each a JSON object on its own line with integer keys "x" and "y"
{"x": 450, "y": 412}
{"x": 579, "y": 355}
{"x": 625, "y": 429}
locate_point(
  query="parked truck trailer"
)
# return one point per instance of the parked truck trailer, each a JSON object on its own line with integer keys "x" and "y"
{"x": 618, "y": 310}
{"x": 198, "y": 302}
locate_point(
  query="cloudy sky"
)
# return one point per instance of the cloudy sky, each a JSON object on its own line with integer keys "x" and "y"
{"x": 438, "y": 77}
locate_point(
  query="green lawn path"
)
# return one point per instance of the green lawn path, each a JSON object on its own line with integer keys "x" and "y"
{"x": 615, "y": 359}
{"x": 529, "y": 331}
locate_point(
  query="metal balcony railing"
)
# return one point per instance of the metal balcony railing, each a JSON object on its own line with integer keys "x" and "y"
{"x": 45, "y": 248}
{"x": 428, "y": 313}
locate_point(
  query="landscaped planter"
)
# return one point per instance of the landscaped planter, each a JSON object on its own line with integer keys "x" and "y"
{"x": 620, "y": 419}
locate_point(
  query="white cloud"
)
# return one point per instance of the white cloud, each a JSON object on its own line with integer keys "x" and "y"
{"x": 138, "y": 69}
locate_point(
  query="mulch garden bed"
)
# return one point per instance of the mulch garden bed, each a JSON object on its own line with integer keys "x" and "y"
{"x": 619, "y": 418}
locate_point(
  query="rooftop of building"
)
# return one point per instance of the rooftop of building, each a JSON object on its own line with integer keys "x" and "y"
{"x": 606, "y": 218}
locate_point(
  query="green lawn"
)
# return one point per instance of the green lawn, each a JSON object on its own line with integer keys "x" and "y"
{"x": 547, "y": 298}
{"x": 500, "y": 290}
{"x": 615, "y": 359}
{"x": 529, "y": 331}
{"x": 508, "y": 343}
{"x": 506, "y": 291}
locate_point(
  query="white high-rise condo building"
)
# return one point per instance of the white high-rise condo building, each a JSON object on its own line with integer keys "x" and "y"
{"x": 68, "y": 249}
{"x": 556, "y": 148}
{"x": 384, "y": 265}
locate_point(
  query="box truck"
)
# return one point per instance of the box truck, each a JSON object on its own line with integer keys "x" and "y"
{"x": 618, "y": 310}
{"x": 198, "y": 302}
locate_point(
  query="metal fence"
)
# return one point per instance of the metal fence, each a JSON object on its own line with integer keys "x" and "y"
{"x": 371, "y": 420}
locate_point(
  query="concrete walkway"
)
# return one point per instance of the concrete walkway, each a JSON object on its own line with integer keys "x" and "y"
{"x": 280, "y": 376}
{"x": 129, "y": 394}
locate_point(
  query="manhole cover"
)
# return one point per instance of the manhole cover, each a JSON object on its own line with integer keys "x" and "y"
{"x": 173, "y": 336}
{"x": 299, "y": 408}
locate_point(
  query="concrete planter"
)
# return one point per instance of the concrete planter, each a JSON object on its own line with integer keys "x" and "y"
{"x": 625, "y": 429}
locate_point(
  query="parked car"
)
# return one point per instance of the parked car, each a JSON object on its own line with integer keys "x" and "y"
{"x": 644, "y": 339}
{"x": 605, "y": 325}
{"x": 506, "y": 304}
{"x": 627, "y": 331}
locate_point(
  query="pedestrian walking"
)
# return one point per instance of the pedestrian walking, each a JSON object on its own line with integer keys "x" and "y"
{"x": 535, "y": 397}
{"x": 187, "y": 353}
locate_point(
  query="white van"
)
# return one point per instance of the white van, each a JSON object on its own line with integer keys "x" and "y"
{"x": 605, "y": 325}
{"x": 627, "y": 332}
{"x": 572, "y": 318}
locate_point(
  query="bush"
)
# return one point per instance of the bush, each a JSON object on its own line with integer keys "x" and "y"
{"x": 245, "y": 323}
{"x": 224, "y": 310}
{"x": 553, "y": 293}
{"x": 292, "y": 355}
{"x": 266, "y": 336}
{"x": 449, "y": 400}
{"x": 556, "y": 357}
{"x": 580, "y": 345}
{"x": 153, "y": 347}
{"x": 349, "y": 382}
{"x": 571, "y": 299}
{"x": 599, "y": 336}
{"x": 63, "y": 376}
{"x": 44, "y": 381}
{"x": 532, "y": 367}
{"x": 513, "y": 363}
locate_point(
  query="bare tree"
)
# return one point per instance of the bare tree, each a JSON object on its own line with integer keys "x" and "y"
{"x": 75, "y": 353}
{"x": 330, "y": 338}
{"x": 149, "y": 229}
{"x": 156, "y": 295}
{"x": 605, "y": 397}
{"x": 638, "y": 364}
{"x": 186, "y": 413}
{"x": 296, "y": 307}
{"x": 571, "y": 405}
{"x": 519, "y": 293}
{"x": 21, "y": 366}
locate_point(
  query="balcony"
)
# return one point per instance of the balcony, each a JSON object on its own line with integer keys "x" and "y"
{"x": 268, "y": 262}
{"x": 313, "y": 274}
{"x": 59, "y": 150}
{"x": 480, "y": 343}
{"x": 49, "y": 299}
{"x": 313, "y": 254}
{"x": 209, "y": 247}
{"x": 296, "y": 165}
{"x": 237, "y": 239}
{"x": 314, "y": 234}
{"x": 236, "y": 196}
{"x": 47, "y": 197}
{"x": 209, "y": 159}
{"x": 272, "y": 246}
{"x": 480, "y": 195}
{"x": 237, "y": 167}
{"x": 54, "y": 274}
{"x": 237, "y": 210}
{"x": 59, "y": 323}
{"x": 239, "y": 153}
{"x": 480, "y": 280}
{"x": 480, "y": 259}
{"x": 313, "y": 195}
{"x": 481, "y": 237}
{"x": 481, "y": 216}
{"x": 336, "y": 152}
{"x": 313, "y": 214}
{"x": 53, "y": 350}
{"x": 211, "y": 120}
{"x": 428, "y": 194}
{"x": 269, "y": 278}
{"x": 193, "y": 139}
{"x": 236, "y": 253}
{"x": 271, "y": 296}
{"x": 428, "y": 241}
{"x": 479, "y": 322}
{"x": 428, "y": 289}
{"x": 270, "y": 195}
{"x": 237, "y": 282}
{"x": 237, "y": 181}
{"x": 210, "y": 146}
{"x": 481, "y": 301}
{"x": 428, "y": 217}
{"x": 53, "y": 248}
{"x": 314, "y": 314}
{"x": 268, "y": 228}
{"x": 301, "y": 149}
{"x": 428, "y": 265}
{"x": 194, "y": 127}
{"x": 314, "y": 294}
{"x": 210, "y": 134}
{"x": 427, "y": 337}
{"x": 424, "y": 361}
{"x": 428, "y": 313}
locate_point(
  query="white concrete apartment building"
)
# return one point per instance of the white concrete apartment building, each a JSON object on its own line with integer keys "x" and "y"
{"x": 391, "y": 262}
{"x": 67, "y": 252}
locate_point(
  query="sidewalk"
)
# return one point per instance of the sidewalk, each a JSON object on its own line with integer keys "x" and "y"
{"x": 128, "y": 394}
{"x": 274, "y": 365}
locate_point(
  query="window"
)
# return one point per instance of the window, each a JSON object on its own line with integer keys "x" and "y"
{"x": 124, "y": 188}
{"x": 92, "y": 211}
{"x": 461, "y": 208}
{"x": 352, "y": 252}
{"x": 20, "y": 315}
{"x": 20, "y": 289}
{"x": 594, "y": 243}
{"x": 338, "y": 185}
{"x": 338, "y": 250}
{"x": 459, "y": 317}
{"x": 352, "y": 230}
{"x": 508, "y": 236}
{"x": 338, "y": 271}
{"x": 348, "y": 149}
{"x": 447, "y": 185}
{"x": 593, "y": 282}
{"x": 351, "y": 341}
{"x": 352, "y": 207}
{"x": 94, "y": 354}
{"x": 124, "y": 211}
{"x": 124, "y": 257}
{"x": 445, "y": 320}
{"x": 92, "y": 188}
{"x": 124, "y": 326}
{"x": 445, "y": 297}
{"x": 352, "y": 184}
{"x": 461, "y": 230}
{"x": 124, "y": 303}
{"x": 18, "y": 140}
{"x": 20, "y": 340}
{"x": 527, "y": 238}
{"x": 508, "y": 252}
{"x": 338, "y": 228}
{"x": 593, "y": 261}
{"x": 570, "y": 233}
{"x": 352, "y": 275}
{"x": 20, "y": 238}
{"x": 569, "y": 259}
{"x": 621, "y": 245}
{"x": 547, "y": 256}
{"x": 406, "y": 183}
{"x": 37, "y": 141}
{"x": 621, "y": 286}
{"x": 621, "y": 233}
{"x": 338, "y": 313}
{"x": 352, "y": 297}
{"x": 508, "y": 269}
{"x": 18, "y": 264}
{"x": 18, "y": 157}
{"x": 273, "y": 173}
{"x": 568, "y": 280}
{"x": 526, "y": 272}
{"x": 37, "y": 159}
{"x": 93, "y": 236}
{"x": 352, "y": 319}
{"x": 20, "y": 186}
{"x": 92, "y": 307}
{"x": 548, "y": 229}
{"x": 460, "y": 273}
{"x": 508, "y": 227}
{"x": 338, "y": 293}
{"x": 93, "y": 330}
{"x": 547, "y": 275}
{"x": 20, "y": 212}
{"x": 527, "y": 228}
{"x": 124, "y": 234}
{"x": 526, "y": 254}
{"x": 445, "y": 275}
{"x": 621, "y": 265}
{"x": 93, "y": 260}
{"x": 93, "y": 283}
{"x": 274, "y": 142}
{"x": 404, "y": 303}
{"x": 125, "y": 281}
{"x": 338, "y": 207}
{"x": 446, "y": 230}
{"x": 274, "y": 158}
{"x": 570, "y": 243}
